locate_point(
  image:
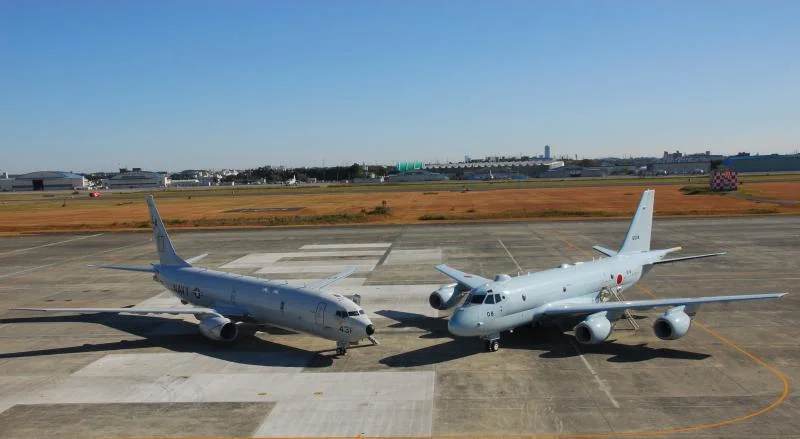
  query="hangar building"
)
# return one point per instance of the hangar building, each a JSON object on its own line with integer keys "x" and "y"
{"x": 764, "y": 163}
{"x": 137, "y": 178}
{"x": 49, "y": 181}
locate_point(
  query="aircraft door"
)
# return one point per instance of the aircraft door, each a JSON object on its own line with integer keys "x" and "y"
{"x": 319, "y": 315}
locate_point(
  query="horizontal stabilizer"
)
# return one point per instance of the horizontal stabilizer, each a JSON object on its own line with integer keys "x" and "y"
{"x": 686, "y": 258}
{"x": 196, "y": 258}
{"x": 206, "y": 311}
{"x": 604, "y": 250}
{"x": 117, "y": 267}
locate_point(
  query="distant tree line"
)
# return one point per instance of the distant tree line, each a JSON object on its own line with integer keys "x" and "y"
{"x": 332, "y": 173}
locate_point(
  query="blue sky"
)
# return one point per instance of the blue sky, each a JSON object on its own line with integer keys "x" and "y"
{"x": 90, "y": 85}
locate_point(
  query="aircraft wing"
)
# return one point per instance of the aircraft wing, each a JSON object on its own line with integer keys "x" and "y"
{"x": 200, "y": 311}
{"x": 560, "y": 309}
{"x": 470, "y": 280}
{"x": 322, "y": 283}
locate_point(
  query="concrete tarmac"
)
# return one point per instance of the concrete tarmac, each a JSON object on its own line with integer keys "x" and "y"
{"x": 90, "y": 376}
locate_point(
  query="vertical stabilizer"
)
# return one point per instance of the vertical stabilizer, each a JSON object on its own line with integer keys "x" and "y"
{"x": 638, "y": 237}
{"x": 166, "y": 253}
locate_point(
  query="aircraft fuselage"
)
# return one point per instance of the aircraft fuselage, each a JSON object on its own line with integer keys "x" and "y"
{"x": 525, "y": 299}
{"x": 260, "y": 301}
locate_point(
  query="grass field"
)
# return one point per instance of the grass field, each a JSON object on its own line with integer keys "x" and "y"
{"x": 416, "y": 203}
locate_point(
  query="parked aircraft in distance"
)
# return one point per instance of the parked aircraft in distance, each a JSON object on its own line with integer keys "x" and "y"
{"x": 222, "y": 301}
{"x": 573, "y": 290}
{"x": 292, "y": 181}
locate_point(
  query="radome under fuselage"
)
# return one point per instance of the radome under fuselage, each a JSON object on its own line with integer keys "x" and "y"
{"x": 315, "y": 312}
{"x": 525, "y": 299}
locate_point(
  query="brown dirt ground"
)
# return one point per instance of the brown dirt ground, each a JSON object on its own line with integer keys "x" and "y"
{"x": 407, "y": 207}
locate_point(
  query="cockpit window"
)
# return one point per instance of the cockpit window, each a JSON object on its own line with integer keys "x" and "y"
{"x": 489, "y": 299}
{"x": 361, "y": 311}
{"x": 352, "y": 313}
{"x": 477, "y": 298}
{"x": 497, "y": 298}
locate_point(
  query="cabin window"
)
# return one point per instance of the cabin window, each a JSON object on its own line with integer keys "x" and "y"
{"x": 497, "y": 298}
{"x": 489, "y": 299}
{"x": 478, "y": 298}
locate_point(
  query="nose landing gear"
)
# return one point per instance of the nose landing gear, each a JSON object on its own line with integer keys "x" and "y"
{"x": 493, "y": 343}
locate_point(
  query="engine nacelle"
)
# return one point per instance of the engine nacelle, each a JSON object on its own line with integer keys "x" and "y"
{"x": 673, "y": 325}
{"x": 446, "y": 297}
{"x": 218, "y": 328}
{"x": 594, "y": 330}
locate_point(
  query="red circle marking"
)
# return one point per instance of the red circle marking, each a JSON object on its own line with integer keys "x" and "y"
{"x": 619, "y": 279}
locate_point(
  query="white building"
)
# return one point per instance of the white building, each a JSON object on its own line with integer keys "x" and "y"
{"x": 49, "y": 181}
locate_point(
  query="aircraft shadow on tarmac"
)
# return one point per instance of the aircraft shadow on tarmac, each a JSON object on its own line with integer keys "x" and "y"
{"x": 433, "y": 327}
{"x": 550, "y": 339}
{"x": 178, "y": 336}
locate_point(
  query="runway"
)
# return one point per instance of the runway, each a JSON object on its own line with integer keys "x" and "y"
{"x": 733, "y": 375}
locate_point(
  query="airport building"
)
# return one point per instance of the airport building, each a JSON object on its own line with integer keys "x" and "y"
{"x": 415, "y": 175}
{"x": 495, "y": 165}
{"x": 763, "y": 163}
{"x": 49, "y": 181}
{"x": 680, "y": 164}
{"x": 137, "y": 178}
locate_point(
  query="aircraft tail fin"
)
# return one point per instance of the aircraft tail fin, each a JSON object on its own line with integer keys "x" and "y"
{"x": 638, "y": 237}
{"x": 166, "y": 253}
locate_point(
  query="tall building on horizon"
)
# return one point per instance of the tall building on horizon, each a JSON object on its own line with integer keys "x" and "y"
{"x": 547, "y": 152}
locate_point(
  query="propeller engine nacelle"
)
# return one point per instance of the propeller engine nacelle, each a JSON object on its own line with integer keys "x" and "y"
{"x": 446, "y": 297}
{"x": 594, "y": 330}
{"x": 218, "y": 328}
{"x": 673, "y": 325}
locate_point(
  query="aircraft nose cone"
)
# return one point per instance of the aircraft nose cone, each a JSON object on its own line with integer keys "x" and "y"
{"x": 370, "y": 329}
{"x": 457, "y": 325}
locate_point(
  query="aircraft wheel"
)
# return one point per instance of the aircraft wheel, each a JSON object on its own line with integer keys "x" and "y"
{"x": 494, "y": 345}
{"x": 341, "y": 351}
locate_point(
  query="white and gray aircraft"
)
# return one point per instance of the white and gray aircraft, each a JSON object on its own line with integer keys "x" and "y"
{"x": 573, "y": 290}
{"x": 223, "y": 301}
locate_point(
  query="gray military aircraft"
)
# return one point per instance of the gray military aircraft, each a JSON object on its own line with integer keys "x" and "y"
{"x": 224, "y": 301}
{"x": 573, "y": 290}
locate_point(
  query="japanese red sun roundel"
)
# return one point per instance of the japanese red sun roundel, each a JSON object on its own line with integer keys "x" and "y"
{"x": 619, "y": 279}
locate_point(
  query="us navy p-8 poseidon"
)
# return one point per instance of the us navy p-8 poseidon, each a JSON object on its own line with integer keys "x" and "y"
{"x": 223, "y": 300}
{"x": 573, "y": 290}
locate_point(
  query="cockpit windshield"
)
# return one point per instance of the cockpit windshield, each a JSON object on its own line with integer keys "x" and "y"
{"x": 477, "y": 298}
{"x": 352, "y": 313}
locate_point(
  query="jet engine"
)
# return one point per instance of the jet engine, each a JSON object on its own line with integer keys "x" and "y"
{"x": 446, "y": 297}
{"x": 594, "y": 330}
{"x": 218, "y": 328}
{"x": 673, "y": 325}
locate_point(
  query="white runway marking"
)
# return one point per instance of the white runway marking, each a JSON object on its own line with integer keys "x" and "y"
{"x": 32, "y": 269}
{"x": 519, "y": 269}
{"x": 600, "y": 383}
{"x": 364, "y": 245}
{"x": 318, "y": 267}
{"x": 428, "y": 256}
{"x": 22, "y": 250}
